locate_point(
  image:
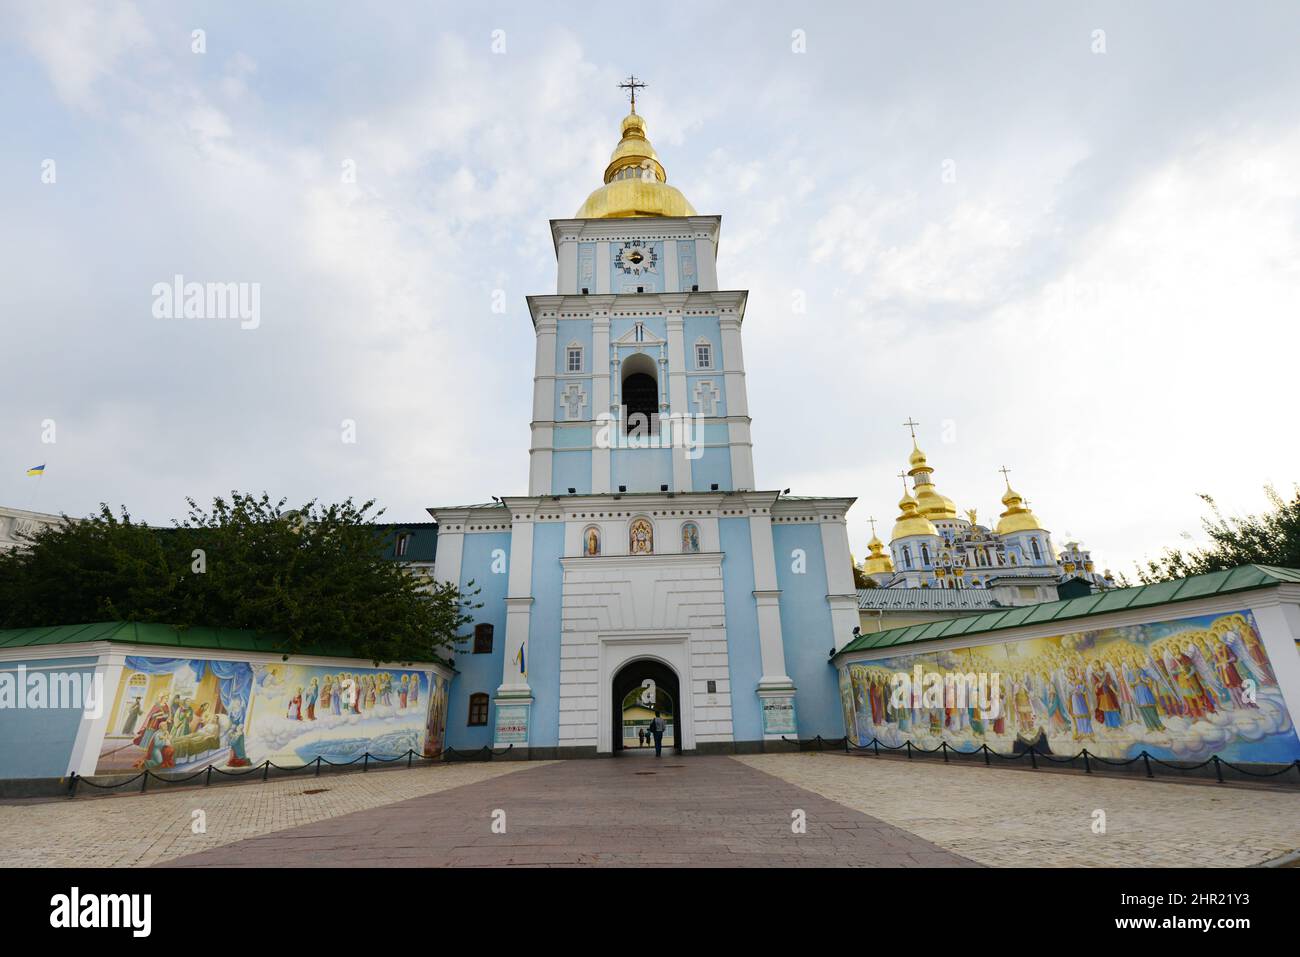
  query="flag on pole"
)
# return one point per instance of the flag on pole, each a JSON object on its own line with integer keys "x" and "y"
{"x": 36, "y": 470}
{"x": 523, "y": 668}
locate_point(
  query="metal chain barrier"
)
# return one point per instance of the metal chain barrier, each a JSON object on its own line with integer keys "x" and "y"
{"x": 447, "y": 755}
{"x": 821, "y": 744}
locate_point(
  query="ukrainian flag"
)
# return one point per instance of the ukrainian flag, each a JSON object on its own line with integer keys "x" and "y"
{"x": 519, "y": 658}
{"x": 36, "y": 470}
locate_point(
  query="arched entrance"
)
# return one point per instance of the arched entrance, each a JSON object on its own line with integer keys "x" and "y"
{"x": 641, "y": 394}
{"x": 632, "y": 677}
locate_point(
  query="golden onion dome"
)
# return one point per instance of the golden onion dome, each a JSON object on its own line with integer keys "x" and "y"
{"x": 910, "y": 520}
{"x": 932, "y": 505}
{"x": 635, "y": 181}
{"x": 878, "y": 562}
{"x": 1017, "y": 517}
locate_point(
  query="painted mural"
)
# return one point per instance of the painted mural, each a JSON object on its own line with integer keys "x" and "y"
{"x": 1181, "y": 690}
{"x": 189, "y": 713}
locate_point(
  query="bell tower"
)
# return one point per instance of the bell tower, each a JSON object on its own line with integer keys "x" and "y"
{"x": 639, "y": 383}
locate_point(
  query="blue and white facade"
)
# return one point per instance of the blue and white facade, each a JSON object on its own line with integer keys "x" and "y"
{"x": 645, "y": 537}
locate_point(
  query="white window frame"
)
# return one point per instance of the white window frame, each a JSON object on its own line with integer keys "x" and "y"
{"x": 703, "y": 347}
{"x": 570, "y": 349}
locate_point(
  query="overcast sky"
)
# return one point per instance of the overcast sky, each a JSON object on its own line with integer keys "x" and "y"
{"x": 1082, "y": 265}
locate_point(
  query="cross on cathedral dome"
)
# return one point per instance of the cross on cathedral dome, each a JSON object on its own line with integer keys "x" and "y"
{"x": 635, "y": 181}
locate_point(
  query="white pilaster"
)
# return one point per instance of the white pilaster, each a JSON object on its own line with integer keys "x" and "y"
{"x": 671, "y": 281}
{"x": 567, "y": 269}
{"x": 519, "y": 600}
{"x": 1279, "y": 629}
{"x": 601, "y": 370}
{"x": 767, "y": 596}
{"x": 91, "y": 730}
{"x": 677, "y": 393}
{"x": 841, "y": 594}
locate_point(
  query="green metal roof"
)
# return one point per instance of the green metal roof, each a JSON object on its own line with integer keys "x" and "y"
{"x": 152, "y": 633}
{"x": 1244, "y": 578}
{"x": 422, "y": 545}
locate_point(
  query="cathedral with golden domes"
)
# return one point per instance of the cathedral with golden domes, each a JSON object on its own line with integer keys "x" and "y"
{"x": 940, "y": 563}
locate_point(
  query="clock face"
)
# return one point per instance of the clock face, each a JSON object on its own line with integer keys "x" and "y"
{"x": 636, "y": 258}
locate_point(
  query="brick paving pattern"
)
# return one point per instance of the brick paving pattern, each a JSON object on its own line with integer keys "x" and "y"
{"x": 1005, "y": 817}
{"x": 132, "y": 829}
{"x": 697, "y": 811}
{"x": 689, "y": 811}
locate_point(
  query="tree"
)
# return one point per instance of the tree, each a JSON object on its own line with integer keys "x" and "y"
{"x": 1272, "y": 538}
{"x": 307, "y": 576}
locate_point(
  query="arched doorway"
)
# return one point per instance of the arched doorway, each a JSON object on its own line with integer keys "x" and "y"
{"x": 630, "y": 683}
{"x": 640, "y": 391}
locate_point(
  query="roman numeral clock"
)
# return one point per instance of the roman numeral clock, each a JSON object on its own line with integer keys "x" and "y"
{"x": 635, "y": 258}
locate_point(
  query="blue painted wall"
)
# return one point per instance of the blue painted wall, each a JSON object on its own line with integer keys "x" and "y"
{"x": 641, "y": 470}
{"x": 544, "y": 634}
{"x": 707, "y": 327}
{"x": 479, "y": 672}
{"x": 571, "y": 469}
{"x": 713, "y": 465}
{"x": 572, "y": 437}
{"x": 37, "y": 743}
{"x": 744, "y": 658}
{"x": 806, "y": 630}
{"x": 619, "y": 327}
{"x": 569, "y": 332}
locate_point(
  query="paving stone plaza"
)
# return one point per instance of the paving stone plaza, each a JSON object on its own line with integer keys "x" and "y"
{"x": 673, "y": 811}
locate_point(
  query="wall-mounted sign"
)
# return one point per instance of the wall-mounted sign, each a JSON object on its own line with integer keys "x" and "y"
{"x": 512, "y": 724}
{"x": 778, "y": 715}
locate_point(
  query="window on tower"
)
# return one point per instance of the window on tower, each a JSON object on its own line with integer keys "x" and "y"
{"x": 483, "y": 639}
{"x": 703, "y": 355}
{"x": 641, "y": 395}
{"x": 575, "y": 359}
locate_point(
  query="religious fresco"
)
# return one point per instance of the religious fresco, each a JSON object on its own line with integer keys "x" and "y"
{"x": 690, "y": 537}
{"x": 641, "y": 537}
{"x": 1181, "y": 690}
{"x": 189, "y": 713}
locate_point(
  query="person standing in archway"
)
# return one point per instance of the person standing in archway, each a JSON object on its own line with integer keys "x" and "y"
{"x": 657, "y": 729}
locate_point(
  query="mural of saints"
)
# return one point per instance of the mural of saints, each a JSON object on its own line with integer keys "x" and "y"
{"x": 591, "y": 541}
{"x": 690, "y": 537}
{"x": 1181, "y": 690}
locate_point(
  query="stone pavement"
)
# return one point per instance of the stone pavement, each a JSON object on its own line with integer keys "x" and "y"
{"x": 138, "y": 829}
{"x": 1000, "y": 816}
{"x": 696, "y": 811}
{"x": 638, "y": 810}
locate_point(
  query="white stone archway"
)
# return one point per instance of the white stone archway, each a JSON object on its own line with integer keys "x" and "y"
{"x": 619, "y": 649}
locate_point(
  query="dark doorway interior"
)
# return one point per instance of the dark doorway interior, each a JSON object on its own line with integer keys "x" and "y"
{"x": 628, "y": 678}
{"x": 641, "y": 396}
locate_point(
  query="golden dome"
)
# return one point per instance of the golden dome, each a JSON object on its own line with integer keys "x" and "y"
{"x": 911, "y": 522}
{"x": 931, "y": 503}
{"x": 635, "y": 181}
{"x": 1017, "y": 517}
{"x": 878, "y": 562}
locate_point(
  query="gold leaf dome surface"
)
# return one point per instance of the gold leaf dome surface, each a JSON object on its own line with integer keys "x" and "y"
{"x": 635, "y": 181}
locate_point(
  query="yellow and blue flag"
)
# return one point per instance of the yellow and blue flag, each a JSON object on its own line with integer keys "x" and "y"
{"x": 36, "y": 470}
{"x": 523, "y": 668}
